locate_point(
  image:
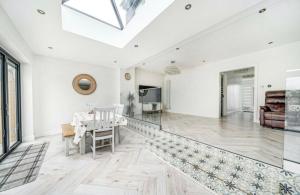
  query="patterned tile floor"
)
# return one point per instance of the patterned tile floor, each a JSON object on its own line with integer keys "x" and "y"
{"x": 221, "y": 171}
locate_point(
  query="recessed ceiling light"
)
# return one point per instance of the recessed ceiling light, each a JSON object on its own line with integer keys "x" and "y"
{"x": 177, "y": 48}
{"x": 41, "y": 11}
{"x": 50, "y": 47}
{"x": 188, "y": 6}
{"x": 270, "y": 43}
{"x": 203, "y": 61}
{"x": 173, "y": 62}
{"x": 262, "y": 10}
{"x": 136, "y": 45}
{"x": 115, "y": 61}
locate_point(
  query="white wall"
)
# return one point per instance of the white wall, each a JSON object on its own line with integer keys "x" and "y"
{"x": 27, "y": 102}
{"x": 144, "y": 77}
{"x": 196, "y": 91}
{"x": 13, "y": 43}
{"x": 55, "y": 100}
{"x": 126, "y": 85}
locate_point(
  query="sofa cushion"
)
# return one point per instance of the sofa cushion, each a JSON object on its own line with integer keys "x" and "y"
{"x": 277, "y": 100}
{"x": 278, "y": 116}
{"x": 275, "y": 124}
{"x": 276, "y": 107}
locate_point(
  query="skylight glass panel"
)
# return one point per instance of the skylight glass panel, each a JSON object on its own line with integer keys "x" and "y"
{"x": 127, "y": 8}
{"x": 126, "y": 18}
{"x": 102, "y": 10}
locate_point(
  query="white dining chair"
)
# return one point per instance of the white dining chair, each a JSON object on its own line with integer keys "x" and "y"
{"x": 103, "y": 128}
{"x": 119, "y": 109}
{"x": 119, "y": 112}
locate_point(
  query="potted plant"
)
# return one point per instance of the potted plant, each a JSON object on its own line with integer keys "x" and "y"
{"x": 130, "y": 107}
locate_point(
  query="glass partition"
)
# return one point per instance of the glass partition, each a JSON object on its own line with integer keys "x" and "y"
{"x": 145, "y": 105}
{"x": 292, "y": 124}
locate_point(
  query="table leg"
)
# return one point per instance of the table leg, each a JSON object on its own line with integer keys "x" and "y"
{"x": 118, "y": 134}
{"x": 82, "y": 144}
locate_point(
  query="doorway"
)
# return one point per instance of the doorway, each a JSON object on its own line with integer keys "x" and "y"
{"x": 10, "y": 118}
{"x": 237, "y": 94}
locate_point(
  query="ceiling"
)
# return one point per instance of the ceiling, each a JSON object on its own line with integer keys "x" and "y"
{"x": 175, "y": 26}
{"x": 87, "y": 26}
{"x": 244, "y": 33}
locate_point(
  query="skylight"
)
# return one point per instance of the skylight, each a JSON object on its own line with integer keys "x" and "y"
{"x": 113, "y": 22}
{"x": 116, "y": 13}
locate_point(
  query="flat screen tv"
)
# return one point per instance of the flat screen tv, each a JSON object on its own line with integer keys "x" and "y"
{"x": 152, "y": 94}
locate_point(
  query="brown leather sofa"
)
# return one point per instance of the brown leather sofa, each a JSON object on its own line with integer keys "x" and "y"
{"x": 273, "y": 113}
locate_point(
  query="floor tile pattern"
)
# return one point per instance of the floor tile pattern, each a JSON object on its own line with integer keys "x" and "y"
{"x": 221, "y": 171}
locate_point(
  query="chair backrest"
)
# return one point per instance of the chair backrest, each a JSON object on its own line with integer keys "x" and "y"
{"x": 104, "y": 118}
{"x": 119, "y": 108}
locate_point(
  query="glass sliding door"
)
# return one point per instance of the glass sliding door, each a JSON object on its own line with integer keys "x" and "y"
{"x": 10, "y": 104}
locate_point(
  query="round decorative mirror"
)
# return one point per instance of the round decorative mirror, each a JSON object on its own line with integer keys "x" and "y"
{"x": 84, "y": 84}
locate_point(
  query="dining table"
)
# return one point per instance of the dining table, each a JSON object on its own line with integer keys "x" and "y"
{"x": 81, "y": 122}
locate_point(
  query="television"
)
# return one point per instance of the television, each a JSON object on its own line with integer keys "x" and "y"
{"x": 149, "y": 94}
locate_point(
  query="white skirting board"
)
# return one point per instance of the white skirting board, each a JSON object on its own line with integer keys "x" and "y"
{"x": 291, "y": 166}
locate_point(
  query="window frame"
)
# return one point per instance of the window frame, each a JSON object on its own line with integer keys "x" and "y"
{"x": 113, "y": 3}
{"x": 4, "y": 101}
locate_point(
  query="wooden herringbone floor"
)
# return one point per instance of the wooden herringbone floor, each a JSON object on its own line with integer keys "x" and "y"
{"x": 131, "y": 170}
{"x": 236, "y": 133}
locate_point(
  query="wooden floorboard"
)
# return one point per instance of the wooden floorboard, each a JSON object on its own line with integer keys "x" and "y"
{"x": 131, "y": 170}
{"x": 237, "y": 133}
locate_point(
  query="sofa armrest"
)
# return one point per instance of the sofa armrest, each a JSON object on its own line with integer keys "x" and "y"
{"x": 265, "y": 108}
{"x": 262, "y": 111}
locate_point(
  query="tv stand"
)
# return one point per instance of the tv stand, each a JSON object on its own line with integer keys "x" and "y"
{"x": 152, "y": 108}
{"x": 151, "y": 111}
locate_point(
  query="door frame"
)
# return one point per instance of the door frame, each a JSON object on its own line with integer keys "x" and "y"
{"x": 255, "y": 103}
{"x": 5, "y": 134}
{"x": 222, "y": 96}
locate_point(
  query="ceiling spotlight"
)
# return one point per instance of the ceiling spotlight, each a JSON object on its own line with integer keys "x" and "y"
{"x": 203, "y": 61}
{"x": 115, "y": 61}
{"x": 188, "y": 6}
{"x": 50, "y": 47}
{"x": 262, "y": 10}
{"x": 270, "y": 43}
{"x": 173, "y": 62}
{"x": 136, "y": 45}
{"x": 41, "y": 11}
{"x": 177, "y": 48}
